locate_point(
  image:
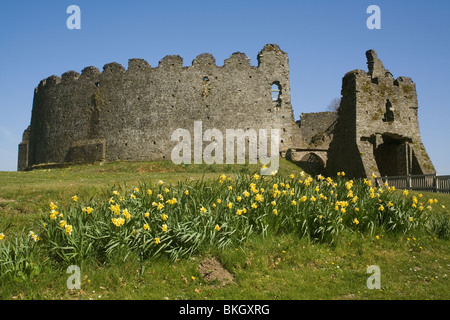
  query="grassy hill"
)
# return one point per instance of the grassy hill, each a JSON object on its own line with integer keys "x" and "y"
{"x": 275, "y": 264}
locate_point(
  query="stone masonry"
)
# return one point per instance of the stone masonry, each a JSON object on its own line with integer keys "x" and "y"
{"x": 120, "y": 114}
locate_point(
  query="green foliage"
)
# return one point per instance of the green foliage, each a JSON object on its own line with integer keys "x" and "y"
{"x": 18, "y": 258}
{"x": 152, "y": 220}
{"x": 187, "y": 218}
{"x": 439, "y": 225}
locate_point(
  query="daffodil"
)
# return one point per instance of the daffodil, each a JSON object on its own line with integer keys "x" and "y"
{"x": 68, "y": 229}
{"x": 53, "y": 214}
{"x": 172, "y": 201}
{"x": 164, "y": 217}
{"x": 88, "y": 210}
{"x": 126, "y": 214}
{"x": 33, "y": 236}
{"x": 75, "y": 198}
{"x": 355, "y": 221}
{"x": 157, "y": 240}
{"x": 2, "y": 236}
{"x": 164, "y": 227}
{"x": 118, "y": 221}
{"x": 217, "y": 227}
{"x": 53, "y": 206}
{"x": 146, "y": 226}
{"x": 275, "y": 211}
{"x": 115, "y": 209}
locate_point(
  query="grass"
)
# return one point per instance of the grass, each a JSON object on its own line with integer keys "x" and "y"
{"x": 283, "y": 268}
{"x": 413, "y": 265}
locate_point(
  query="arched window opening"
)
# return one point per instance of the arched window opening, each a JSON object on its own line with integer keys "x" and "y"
{"x": 276, "y": 92}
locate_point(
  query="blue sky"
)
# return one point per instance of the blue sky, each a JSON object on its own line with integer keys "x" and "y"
{"x": 324, "y": 39}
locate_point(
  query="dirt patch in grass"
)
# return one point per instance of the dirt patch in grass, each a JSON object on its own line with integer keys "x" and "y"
{"x": 156, "y": 167}
{"x": 212, "y": 271}
{"x": 5, "y": 201}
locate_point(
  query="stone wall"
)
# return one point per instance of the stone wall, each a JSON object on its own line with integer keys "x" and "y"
{"x": 130, "y": 114}
{"x": 316, "y": 128}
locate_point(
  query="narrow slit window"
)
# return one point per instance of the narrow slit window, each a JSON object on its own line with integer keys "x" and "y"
{"x": 389, "y": 115}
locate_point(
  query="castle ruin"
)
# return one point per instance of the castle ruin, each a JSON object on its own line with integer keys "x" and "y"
{"x": 121, "y": 114}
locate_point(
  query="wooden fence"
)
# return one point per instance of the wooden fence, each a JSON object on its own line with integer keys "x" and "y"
{"x": 423, "y": 182}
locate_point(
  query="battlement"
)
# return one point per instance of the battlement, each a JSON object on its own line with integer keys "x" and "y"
{"x": 271, "y": 54}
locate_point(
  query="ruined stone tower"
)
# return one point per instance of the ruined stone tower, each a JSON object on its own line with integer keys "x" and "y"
{"x": 377, "y": 130}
